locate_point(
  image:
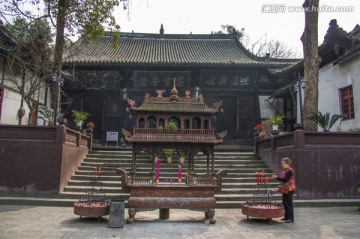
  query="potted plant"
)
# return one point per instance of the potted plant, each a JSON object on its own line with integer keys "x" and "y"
{"x": 47, "y": 114}
{"x": 161, "y": 129}
{"x": 172, "y": 126}
{"x": 181, "y": 156}
{"x": 275, "y": 121}
{"x": 257, "y": 130}
{"x": 90, "y": 127}
{"x": 324, "y": 120}
{"x": 169, "y": 155}
{"x": 153, "y": 158}
{"x": 262, "y": 134}
{"x": 80, "y": 117}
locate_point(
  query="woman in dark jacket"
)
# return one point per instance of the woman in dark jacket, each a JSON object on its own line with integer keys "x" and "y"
{"x": 287, "y": 188}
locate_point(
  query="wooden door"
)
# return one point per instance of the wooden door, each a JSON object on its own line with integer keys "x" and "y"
{"x": 246, "y": 119}
{"x": 94, "y": 105}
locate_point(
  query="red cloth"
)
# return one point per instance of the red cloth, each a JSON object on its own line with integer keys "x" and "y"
{"x": 286, "y": 187}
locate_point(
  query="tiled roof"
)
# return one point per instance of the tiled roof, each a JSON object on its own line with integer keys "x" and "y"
{"x": 174, "y": 139}
{"x": 168, "y": 49}
{"x": 8, "y": 40}
{"x": 175, "y": 107}
{"x": 181, "y": 104}
{"x": 333, "y": 35}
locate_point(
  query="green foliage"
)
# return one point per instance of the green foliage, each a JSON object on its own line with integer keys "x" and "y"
{"x": 276, "y": 120}
{"x": 47, "y": 114}
{"x": 172, "y": 125}
{"x": 26, "y": 31}
{"x": 88, "y": 18}
{"x": 230, "y": 29}
{"x": 80, "y": 116}
{"x": 324, "y": 120}
{"x": 32, "y": 49}
{"x": 173, "y": 128}
{"x": 169, "y": 152}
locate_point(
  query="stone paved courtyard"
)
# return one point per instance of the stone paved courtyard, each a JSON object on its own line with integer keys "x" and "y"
{"x": 60, "y": 222}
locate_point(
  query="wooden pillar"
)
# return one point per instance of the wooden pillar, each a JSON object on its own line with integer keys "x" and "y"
{"x": 182, "y": 123}
{"x": 207, "y": 164}
{"x": 133, "y": 165}
{"x": 153, "y": 161}
{"x": 192, "y": 162}
{"x": 212, "y": 162}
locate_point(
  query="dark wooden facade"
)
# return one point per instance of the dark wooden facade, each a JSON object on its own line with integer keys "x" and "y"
{"x": 217, "y": 66}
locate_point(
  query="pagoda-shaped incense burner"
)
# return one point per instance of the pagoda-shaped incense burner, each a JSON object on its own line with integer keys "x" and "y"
{"x": 194, "y": 134}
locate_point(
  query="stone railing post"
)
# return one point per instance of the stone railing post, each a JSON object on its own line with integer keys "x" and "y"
{"x": 60, "y": 134}
{"x": 299, "y": 139}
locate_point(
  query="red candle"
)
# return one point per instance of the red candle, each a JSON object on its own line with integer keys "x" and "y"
{"x": 157, "y": 165}
{"x": 267, "y": 180}
{"x": 258, "y": 178}
{"x": 264, "y": 175}
{"x": 179, "y": 172}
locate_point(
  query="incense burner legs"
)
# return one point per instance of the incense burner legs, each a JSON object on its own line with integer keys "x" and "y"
{"x": 132, "y": 212}
{"x": 210, "y": 214}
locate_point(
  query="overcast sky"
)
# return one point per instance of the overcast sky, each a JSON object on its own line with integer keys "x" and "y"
{"x": 204, "y": 16}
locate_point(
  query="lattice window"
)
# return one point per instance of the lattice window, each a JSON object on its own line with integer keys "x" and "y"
{"x": 347, "y": 102}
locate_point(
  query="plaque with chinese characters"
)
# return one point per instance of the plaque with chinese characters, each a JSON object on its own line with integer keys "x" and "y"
{"x": 161, "y": 79}
{"x": 212, "y": 79}
{"x": 94, "y": 80}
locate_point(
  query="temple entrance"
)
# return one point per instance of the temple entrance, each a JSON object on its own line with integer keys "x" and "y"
{"x": 239, "y": 118}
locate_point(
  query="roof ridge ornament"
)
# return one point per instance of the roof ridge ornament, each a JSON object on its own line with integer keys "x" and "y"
{"x": 161, "y": 29}
{"x": 174, "y": 93}
{"x": 217, "y": 105}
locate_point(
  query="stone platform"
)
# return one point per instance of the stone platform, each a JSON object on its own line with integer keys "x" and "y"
{"x": 60, "y": 222}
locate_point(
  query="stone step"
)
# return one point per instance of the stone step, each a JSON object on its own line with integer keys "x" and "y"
{"x": 85, "y": 182}
{"x": 79, "y": 195}
{"x": 174, "y": 164}
{"x": 147, "y": 156}
{"x": 240, "y": 173}
{"x": 165, "y": 168}
{"x": 125, "y": 196}
{"x": 238, "y": 186}
{"x": 231, "y": 173}
{"x": 114, "y": 190}
{"x": 147, "y": 160}
{"x": 129, "y": 153}
{"x": 225, "y": 185}
{"x": 114, "y": 178}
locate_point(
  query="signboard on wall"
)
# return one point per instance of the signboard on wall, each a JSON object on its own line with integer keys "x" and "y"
{"x": 214, "y": 79}
{"x": 112, "y": 136}
{"x": 161, "y": 79}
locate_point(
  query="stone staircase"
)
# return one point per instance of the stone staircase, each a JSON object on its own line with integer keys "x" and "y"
{"x": 238, "y": 186}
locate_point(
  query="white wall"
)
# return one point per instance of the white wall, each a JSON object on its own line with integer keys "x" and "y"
{"x": 10, "y": 107}
{"x": 266, "y": 109}
{"x": 331, "y": 79}
{"x": 12, "y": 99}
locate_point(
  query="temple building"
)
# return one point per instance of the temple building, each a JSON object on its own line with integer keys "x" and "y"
{"x": 101, "y": 78}
{"x": 339, "y": 81}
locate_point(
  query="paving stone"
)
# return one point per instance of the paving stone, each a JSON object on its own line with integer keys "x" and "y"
{"x": 60, "y": 222}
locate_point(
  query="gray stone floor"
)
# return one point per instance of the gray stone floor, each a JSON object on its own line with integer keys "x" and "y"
{"x": 60, "y": 222}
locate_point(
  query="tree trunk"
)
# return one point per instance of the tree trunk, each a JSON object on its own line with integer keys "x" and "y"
{"x": 60, "y": 29}
{"x": 311, "y": 62}
{"x": 22, "y": 92}
{"x": 59, "y": 49}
